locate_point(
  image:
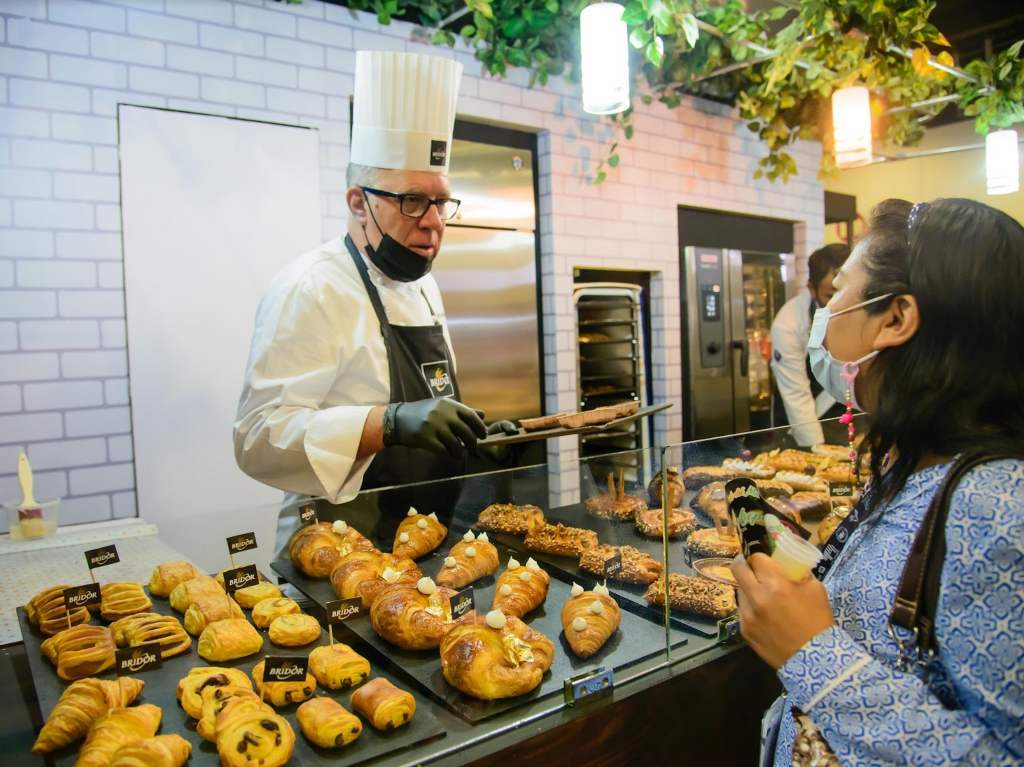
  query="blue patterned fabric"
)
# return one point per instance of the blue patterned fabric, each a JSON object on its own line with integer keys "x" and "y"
{"x": 971, "y": 710}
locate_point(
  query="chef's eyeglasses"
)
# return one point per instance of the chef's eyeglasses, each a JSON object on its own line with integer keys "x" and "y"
{"x": 417, "y": 205}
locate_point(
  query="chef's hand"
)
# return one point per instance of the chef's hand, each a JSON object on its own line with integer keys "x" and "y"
{"x": 438, "y": 425}
{"x": 778, "y": 616}
{"x": 502, "y": 427}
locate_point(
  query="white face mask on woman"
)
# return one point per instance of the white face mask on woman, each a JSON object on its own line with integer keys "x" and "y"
{"x": 835, "y": 377}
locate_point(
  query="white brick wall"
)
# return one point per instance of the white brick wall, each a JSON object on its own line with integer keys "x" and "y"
{"x": 66, "y": 64}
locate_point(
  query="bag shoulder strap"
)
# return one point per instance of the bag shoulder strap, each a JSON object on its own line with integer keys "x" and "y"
{"x": 917, "y": 597}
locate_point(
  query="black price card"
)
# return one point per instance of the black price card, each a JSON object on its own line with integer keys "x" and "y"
{"x": 613, "y": 566}
{"x": 284, "y": 669}
{"x": 341, "y": 610}
{"x": 101, "y": 557}
{"x": 240, "y": 577}
{"x": 307, "y": 514}
{"x": 841, "y": 489}
{"x": 82, "y": 596}
{"x": 242, "y": 542}
{"x": 463, "y": 602}
{"x": 141, "y": 657}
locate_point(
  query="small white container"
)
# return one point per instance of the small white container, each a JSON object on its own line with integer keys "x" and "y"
{"x": 794, "y": 555}
{"x": 37, "y": 521}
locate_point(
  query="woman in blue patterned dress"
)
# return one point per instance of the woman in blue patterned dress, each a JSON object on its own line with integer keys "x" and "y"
{"x": 931, "y": 303}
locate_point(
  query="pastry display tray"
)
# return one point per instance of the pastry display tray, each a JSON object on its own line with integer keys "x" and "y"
{"x": 635, "y": 640}
{"x": 161, "y": 690}
{"x": 529, "y": 436}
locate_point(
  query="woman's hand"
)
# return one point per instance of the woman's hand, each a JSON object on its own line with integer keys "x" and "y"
{"x": 778, "y": 616}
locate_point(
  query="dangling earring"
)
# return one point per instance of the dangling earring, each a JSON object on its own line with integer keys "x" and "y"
{"x": 850, "y": 371}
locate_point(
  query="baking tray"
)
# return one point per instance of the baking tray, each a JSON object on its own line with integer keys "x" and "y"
{"x": 636, "y": 639}
{"x": 531, "y": 436}
{"x": 161, "y": 688}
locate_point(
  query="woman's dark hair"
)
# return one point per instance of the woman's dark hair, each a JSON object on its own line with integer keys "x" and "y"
{"x": 826, "y": 260}
{"x": 958, "y": 384}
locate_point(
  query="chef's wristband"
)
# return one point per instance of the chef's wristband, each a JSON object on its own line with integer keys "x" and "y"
{"x": 389, "y": 424}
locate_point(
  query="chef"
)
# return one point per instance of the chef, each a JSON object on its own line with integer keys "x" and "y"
{"x": 351, "y": 381}
{"x": 804, "y": 401}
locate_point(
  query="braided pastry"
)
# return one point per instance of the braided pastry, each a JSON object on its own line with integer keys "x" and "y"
{"x": 266, "y": 610}
{"x": 589, "y": 618}
{"x": 158, "y": 751}
{"x": 152, "y": 627}
{"x": 294, "y": 630}
{"x": 383, "y": 705}
{"x": 168, "y": 575}
{"x": 418, "y": 534}
{"x": 469, "y": 560}
{"x": 229, "y": 640}
{"x": 365, "y": 574}
{"x": 338, "y": 666}
{"x": 47, "y": 613}
{"x": 253, "y": 737}
{"x": 80, "y": 651}
{"x": 521, "y": 589}
{"x": 216, "y": 699}
{"x": 327, "y": 723}
{"x": 413, "y": 617}
{"x": 317, "y": 549}
{"x": 115, "y": 729}
{"x": 283, "y": 693}
{"x": 185, "y": 593}
{"x": 208, "y": 609}
{"x": 118, "y": 600}
{"x": 81, "y": 704}
{"x": 191, "y": 686}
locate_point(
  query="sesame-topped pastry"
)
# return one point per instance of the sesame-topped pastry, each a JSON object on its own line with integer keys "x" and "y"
{"x": 615, "y": 504}
{"x": 711, "y": 542}
{"x": 418, "y": 534}
{"x": 637, "y": 567}
{"x": 681, "y": 522}
{"x": 701, "y": 596}
{"x": 589, "y": 618}
{"x": 469, "y": 560}
{"x": 509, "y": 518}
{"x": 521, "y": 588}
{"x": 561, "y": 540}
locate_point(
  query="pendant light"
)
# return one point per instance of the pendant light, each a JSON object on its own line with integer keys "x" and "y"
{"x": 604, "y": 50}
{"x": 851, "y": 126}
{"x": 1002, "y": 162}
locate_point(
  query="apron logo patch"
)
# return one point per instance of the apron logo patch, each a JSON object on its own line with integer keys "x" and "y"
{"x": 438, "y": 379}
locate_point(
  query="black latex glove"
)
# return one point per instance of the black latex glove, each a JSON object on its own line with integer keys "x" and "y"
{"x": 438, "y": 425}
{"x": 502, "y": 427}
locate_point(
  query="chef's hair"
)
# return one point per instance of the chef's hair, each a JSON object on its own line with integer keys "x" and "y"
{"x": 361, "y": 175}
{"x": 956, "y": 385}
{"x": 825, "y": 260}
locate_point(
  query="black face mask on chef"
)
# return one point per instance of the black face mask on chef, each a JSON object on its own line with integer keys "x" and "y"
{"x": 392, "y": 257}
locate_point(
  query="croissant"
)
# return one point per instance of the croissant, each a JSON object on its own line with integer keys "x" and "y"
{"x": 152, "y": 627}
{"x": 210, "y": 609}
{"x": 216, "y": 699}
{"x": 46, "y": 611}
{"x": 327, "y": 723}
{"x": 384, "y": 705}
{"x": 294, "y": 630}
{"x": 469, "y": 560}
{"x": 418, "y": 535}
{"x": 185, "y": 593}
{"x": 158, "y": 751}
{"x": 229, "y": 640}
{"x": 317, "y": 549}
{"x": 119, "y": 727}
{"x": 283, "y": 693}
{"x": 80, "y": 651}
{"x": 168, "y": 575}
{"x": 253, "y": 737}
{"x": 589, "y": 618}
{"x": 494, "y": 657}
{"x": 521, "y": 589}
{"x": 338, "y": 666}
{"x": 81, "y": 704}
{"x": 264, "y": 612}
{"x": 413, "y": 617}
{"x": 365, "y": 574}
{"x": 191, "y": 686}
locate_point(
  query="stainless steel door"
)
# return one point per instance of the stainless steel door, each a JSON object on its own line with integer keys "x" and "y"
{"x": 709, "y": 408}
{"x": 495, "y": 185}
{"x": 739, "y": 346}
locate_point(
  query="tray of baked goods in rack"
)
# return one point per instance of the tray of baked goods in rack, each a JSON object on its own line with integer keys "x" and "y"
{"x": 593, "y": 421}
{"x": 525, "y": 632}
{"x": 174, "y": 672}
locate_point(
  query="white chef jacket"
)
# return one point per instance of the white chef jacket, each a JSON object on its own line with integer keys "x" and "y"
{"x": 316, "y": 368}
{"x": 790, "y": 333}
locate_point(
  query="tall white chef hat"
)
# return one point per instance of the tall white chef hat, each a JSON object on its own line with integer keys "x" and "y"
{"x": 403, "y": 111}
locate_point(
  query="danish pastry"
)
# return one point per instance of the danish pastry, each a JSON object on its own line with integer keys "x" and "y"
{"x": 317, "y": 549}
{"x": 294, "y": 630}
{"x": 469, "y": 560}
{"x": 749, "y": 469}
{"x": 637, "y": 567}
{"x": 229, "y": 640}
{"x": 696, "y": 477}
{"x": 251, "y": 596}
{"x": 157, "y": 751}
{"x": 710, "y": 542}
{"x": 838, "y": 472}
{"x": 681, "y": 522}
{"x": 264, "y": 612}
{"x": 509, "y": 519}
{"x": 693, "y": 595}
{"x": 327, "y": 723}
{"x": 365, "y": 574}
{"x": 46, "y": 611}
{"x": 615, "y": 504}
{"x": 117, "y": 728}
{"x": 560, "y": 540}
{"x": 191, "y": 686}
{"x": 338, "y": 666}
{"x": 589, "y": 618}
{"x": 497, "y": 656}
{"x": 521, "y": 588}
{"x": 152, "y": 627}
{"x": 801, "y": 482}
{"x": 798, "y": 461}
{"x": 185, "y": 593}
{"x": 81, "y": 704}
{"x": 383, "y": 705}
{"x": 168, "y": 575}
{"x": 283, "y": 693}
{"x": 210, "y": 609}
{"x": 80, "y": 651}
{"x": 418, "y": 535}
{"x": 215, "y": 699}
{"x": 413, "y": 617}
{"x": 253, "y": 737}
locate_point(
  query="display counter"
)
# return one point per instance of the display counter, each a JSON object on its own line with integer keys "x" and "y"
{"x": 596, "y": 628}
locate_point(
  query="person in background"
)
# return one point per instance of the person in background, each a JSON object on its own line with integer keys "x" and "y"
{"x": 925, "y": 307}
{"x": 799, "y": 399}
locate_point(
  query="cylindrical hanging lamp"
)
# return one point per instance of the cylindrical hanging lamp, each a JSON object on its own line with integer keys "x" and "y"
{"x": 851, "y": 126}
{"x": 1002, "y": 162}
{"x": 604, "y": 49}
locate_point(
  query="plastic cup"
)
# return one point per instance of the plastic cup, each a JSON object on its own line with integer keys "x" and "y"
{"x": 792, "y": 553}
{"x": 35, "y": 522}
